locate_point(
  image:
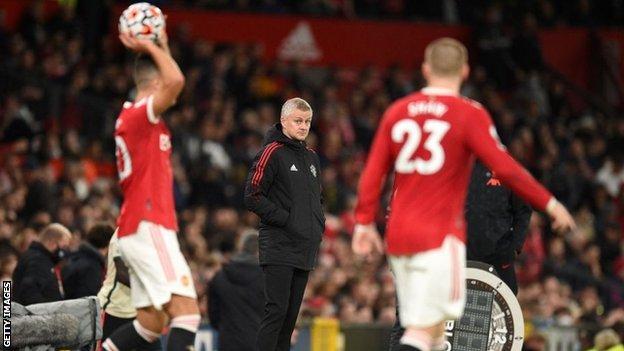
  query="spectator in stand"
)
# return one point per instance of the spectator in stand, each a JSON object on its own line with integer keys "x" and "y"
{"x": 607, "y": 340}
{"x": 236, "y": 298}
{"x": 8, "y": 260}
{"x": 35, "y": 278}
{"x": 84, "y": 270}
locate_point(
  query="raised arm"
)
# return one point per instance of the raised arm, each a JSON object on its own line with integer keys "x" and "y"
{"x": 171, "y": 77}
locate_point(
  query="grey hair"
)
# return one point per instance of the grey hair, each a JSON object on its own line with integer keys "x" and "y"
{"x": 53, "y": 232}
{"x": 294, "y": 104}
{"x": 248, "y": 242}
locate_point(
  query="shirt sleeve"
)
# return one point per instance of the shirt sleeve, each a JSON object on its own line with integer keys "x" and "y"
{"x": 482, "y": 139}
{"x": 374, "y": 175}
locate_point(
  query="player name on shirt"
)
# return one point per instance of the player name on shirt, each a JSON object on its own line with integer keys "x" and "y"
{"x": 435, "y": 108}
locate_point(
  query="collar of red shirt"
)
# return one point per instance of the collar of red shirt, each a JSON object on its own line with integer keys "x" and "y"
{"x": 438, "y": 91}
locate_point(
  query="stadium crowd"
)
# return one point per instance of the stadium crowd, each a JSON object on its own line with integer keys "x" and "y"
{"x": 61, "y": 94}
{"x": 550, "y": 13}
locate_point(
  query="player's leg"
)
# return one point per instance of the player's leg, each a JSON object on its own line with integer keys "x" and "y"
{"x": 145, "y": 329}
{"x": 297, "y": 288}
{"x": 182, "y": 307}
{"x": 419, "y": 338}
{"x": 139, "y": 334}
{"x": 149, "y": 290}
{"x": 438, "y": 342}
{"x": 397, "y": 330}
{"x": 410, "y": 275}
{"x": 112, "y": 323}
{"x": 454, "y": 254}
{"x": 277, "y": 281}
{"x": 425, "y": 297}
{"x": 185, "y": 320}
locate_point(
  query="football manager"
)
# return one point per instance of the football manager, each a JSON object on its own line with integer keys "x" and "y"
{"x": 284, "y": 189}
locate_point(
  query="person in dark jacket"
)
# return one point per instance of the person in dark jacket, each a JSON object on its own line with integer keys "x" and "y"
{"x": 236, "y": 300}
{"x": 34, "y": 278}
{"x": 497, "y": 223}
{"x": 84, "y": 271}
{"x": 284, "y": 189}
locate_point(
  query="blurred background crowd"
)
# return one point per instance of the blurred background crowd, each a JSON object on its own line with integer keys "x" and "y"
{"x": 549, "y": 12}
{"x": 63, "y": 79}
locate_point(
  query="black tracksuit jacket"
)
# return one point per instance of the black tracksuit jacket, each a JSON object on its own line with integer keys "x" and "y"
{"x": 284, "y": 189}
{"x": 497, "y": 220}
{"x": 34, "y": 279}
{"x": 236, "y": 303}
{"x": 83, "y": 273}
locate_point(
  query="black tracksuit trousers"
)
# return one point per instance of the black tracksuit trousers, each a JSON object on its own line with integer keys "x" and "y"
{"x": 283, "y": 292}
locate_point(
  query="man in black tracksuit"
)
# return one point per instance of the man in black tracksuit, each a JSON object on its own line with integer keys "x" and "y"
{"x": 497, "y": 223}
{"x": 284, "y": 189}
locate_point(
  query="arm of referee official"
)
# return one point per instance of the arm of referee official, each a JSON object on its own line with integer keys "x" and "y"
{"x": 257, "y": 187}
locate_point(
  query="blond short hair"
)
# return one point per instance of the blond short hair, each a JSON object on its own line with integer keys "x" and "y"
{"x": 446, "y": 57}
{"x": 294, "y": 104}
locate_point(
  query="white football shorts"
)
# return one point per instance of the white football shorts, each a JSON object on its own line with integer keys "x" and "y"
{"x": 431, "y": 285}
{"x": 156, "y": 265}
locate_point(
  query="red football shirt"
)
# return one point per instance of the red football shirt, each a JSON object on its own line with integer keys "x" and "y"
{"x": 143, "y": 150}
{"x": 429, "y": 138}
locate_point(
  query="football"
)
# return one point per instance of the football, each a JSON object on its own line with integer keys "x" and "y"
{"x": 143, "y": 21}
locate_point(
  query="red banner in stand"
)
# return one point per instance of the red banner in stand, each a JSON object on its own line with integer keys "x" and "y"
{"x": 353, "y": 43}
{"x": 320, "y": 41}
